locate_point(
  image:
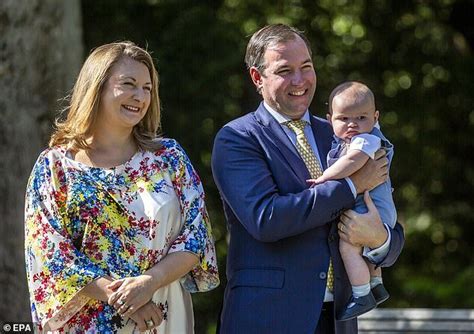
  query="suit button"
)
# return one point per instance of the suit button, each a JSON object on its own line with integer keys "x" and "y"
{"x": 322, "y": 275}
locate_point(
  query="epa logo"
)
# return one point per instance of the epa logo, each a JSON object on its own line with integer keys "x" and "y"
{"x": 17, "y": 328}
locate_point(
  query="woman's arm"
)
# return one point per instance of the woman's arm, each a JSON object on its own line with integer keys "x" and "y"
{"x": 172, "y": 267}
{"x": 57, "y": 271}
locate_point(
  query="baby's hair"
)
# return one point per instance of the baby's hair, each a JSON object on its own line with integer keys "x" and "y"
{"x": 359, "y": 93}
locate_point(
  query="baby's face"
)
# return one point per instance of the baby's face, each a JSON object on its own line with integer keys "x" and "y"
{"x": 349, "y": 119}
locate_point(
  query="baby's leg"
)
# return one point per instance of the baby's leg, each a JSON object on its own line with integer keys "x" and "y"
{"x": 362, "y": 299}
{"x": 355, "y": 265}
{"x": 376, "y": 284}
{"x": 374, "y": 272}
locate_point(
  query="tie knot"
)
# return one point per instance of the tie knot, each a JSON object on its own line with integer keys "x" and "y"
{"x": 297, "y": 126}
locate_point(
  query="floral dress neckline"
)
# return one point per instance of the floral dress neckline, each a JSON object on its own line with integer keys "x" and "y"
{"x": 107, "y": 170}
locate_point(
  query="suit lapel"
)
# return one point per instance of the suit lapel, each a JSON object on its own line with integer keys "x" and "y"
{"x": 274, "y": 133}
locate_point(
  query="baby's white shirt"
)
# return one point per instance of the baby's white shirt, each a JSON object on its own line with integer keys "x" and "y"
{"x": 365, "y": 142}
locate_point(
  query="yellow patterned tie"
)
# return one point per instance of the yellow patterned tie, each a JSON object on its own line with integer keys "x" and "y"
{"x": 314, "y": 168}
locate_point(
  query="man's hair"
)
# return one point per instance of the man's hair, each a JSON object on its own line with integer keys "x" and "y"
{"x": 268, "y": 37}
{"x": 85, "y": 99}
{"x": 359, "y": 93}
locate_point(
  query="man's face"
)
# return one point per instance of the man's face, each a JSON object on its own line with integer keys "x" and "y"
{"x": 288, "y": 82}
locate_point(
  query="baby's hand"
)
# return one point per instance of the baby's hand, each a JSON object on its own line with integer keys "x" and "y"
{"x": 314, "y": 182}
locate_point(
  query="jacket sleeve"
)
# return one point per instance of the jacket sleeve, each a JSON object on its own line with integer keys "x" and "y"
{"x": 396, "y": 245}
{"x": 242, "y": 172}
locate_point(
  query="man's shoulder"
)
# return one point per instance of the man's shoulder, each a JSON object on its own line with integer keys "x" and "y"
{"x": 319, "y": 120}
{"x": 321, "y": 125}
{"x": 245, "y": 124}
{"x": 240, "y": 131}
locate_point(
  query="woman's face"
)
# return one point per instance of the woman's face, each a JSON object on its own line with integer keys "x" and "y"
{"x": 126, "y": 95}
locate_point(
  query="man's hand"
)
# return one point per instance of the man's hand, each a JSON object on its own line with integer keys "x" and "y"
{"x": 147, "y": 317}
{"x": 364, "y": 229}
{"x": 373, "y": 173}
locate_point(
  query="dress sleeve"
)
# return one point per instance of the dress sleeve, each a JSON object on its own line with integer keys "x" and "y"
{"x": 56, "y": 269}
{"x": 367, "y": 143}
{"x": 196, "y": 235}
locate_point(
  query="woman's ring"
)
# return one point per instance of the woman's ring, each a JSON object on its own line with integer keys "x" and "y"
{"x": 341, "y": 227}
{"x": 121, "y": 302}
{"x": 150, "y": 323}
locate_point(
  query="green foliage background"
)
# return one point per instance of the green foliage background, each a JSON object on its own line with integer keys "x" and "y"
{"x": 415, "y": 55}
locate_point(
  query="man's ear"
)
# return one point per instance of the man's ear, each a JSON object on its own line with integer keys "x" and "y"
{"x": 376, "y": 115}
{"x": 256, "y": 77}
{"x": 328, "y": 117}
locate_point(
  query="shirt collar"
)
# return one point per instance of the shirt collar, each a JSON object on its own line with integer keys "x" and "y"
{"x": 283, "y": 118}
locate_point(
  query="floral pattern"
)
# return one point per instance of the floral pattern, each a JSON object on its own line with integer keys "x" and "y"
{"x": 84, "y": 222}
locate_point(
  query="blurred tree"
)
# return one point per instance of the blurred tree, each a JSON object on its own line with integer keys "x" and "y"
{"x": 40, "y": 52}
{"x": 415, "y": 55}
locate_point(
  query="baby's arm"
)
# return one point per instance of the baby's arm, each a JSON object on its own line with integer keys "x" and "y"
{"x": 361, "y": 148}
{"x": 345, "y": 166}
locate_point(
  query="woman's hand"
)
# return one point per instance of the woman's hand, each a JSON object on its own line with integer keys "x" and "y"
{"x": 98, "y": 289}
{"x": 147, "y": 317}
{"x": 131, "y": 293}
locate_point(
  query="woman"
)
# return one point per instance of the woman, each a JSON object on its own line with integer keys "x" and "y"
{"x": 117, "y": 232}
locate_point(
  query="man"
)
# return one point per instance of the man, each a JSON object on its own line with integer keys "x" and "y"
{"x": 283, "y": 233}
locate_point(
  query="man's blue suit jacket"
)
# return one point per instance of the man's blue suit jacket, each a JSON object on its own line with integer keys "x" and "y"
{"x": 282, "y": 232}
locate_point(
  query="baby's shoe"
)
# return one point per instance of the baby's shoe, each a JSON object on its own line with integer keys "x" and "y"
{"x": 380, "y": 293}
{"x": 357, "y": 306}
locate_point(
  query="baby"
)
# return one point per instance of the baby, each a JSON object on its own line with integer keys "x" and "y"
{"x": 354, "y": 120}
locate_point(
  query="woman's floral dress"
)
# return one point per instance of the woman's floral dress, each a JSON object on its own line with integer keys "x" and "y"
{"x": 85, "y": 222}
